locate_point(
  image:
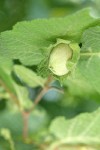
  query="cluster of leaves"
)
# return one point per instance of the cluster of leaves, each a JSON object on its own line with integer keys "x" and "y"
{"x": 24, "y": 58}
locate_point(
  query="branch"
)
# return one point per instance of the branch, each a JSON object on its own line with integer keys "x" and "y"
{"x": 42, "y": 93}
{"x": 36, "y": 101}
{"x": 25, "y": 116}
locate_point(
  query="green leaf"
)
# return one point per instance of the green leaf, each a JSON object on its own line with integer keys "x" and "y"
{"x": 88, "y": 67}
{"x": 77, "y": 85}
{"x": 21, "y": 93}
{"x": 5, "y": 77}
{"x": 23, "y": 97}
{"x": 83, "y": 129}
{"x": 5, "y": 133}
{"x": 27, "y": 40}
{"x": 28, "y": 77}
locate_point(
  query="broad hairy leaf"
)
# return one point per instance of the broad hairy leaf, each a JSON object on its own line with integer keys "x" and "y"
{"x": 88, "y": 67}
{"x": 22, "y": 94}
{"x": 6, "y": 79}
{"x": 28, "y": 77}
{"x": 83, "y": 129}
{"x": 27, "y": 40}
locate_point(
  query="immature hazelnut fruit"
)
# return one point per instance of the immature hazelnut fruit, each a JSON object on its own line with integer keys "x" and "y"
{"x": 59, "y": 57}
{"x": 63, "y": 57}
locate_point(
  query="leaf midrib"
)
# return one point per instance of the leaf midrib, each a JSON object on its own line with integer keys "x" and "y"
{"x": 90, "y": 54}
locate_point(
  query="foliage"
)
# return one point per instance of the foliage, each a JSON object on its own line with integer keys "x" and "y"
{"x": 26, "y": 54}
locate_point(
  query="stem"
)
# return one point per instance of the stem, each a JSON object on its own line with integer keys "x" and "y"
{"x": 41, "y": 94}
{"x": 25, "y": 116}
{"x": 12, "y": 95}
